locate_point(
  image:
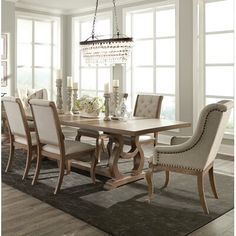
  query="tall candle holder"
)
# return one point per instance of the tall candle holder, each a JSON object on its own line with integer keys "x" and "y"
{"x": 75, "y": 96}
{"x": 106, "y": 103}
{"x": 117, "y": 98}
{"x": 69, "y": 101}
{"x": 59, "y": 100}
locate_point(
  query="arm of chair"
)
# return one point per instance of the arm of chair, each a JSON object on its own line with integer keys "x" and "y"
{"x": 175, "y": 140}
{"x": 180, "y": 155}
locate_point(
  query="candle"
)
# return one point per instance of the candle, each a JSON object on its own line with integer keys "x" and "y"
{"x": 75, "y": 85}
{"x": 69, "y": 81}
{"x": 59, "y": 74}
{"x": 106, "y": 88}
{"x": 115, "y": 83}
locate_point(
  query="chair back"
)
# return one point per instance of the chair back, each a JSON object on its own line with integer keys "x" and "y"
{"x": 16, "y": 116}
{"x": 148, "y": 106}
{"x": 210, "y": 131}
{"x": 26, "y": 94}
{"x": 47, "y": 123}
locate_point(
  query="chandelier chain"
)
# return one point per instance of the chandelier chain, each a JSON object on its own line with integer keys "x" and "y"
{"x": 94, "y": 20}
{"x": 116, "y": 21}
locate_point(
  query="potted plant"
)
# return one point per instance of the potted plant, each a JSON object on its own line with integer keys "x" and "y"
{"x": 89, "y": 106}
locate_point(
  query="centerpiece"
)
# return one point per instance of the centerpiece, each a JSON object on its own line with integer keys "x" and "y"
{"x": 89, "y": 106}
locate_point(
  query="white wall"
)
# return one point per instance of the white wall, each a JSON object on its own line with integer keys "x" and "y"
{"x": 8, "y": 26}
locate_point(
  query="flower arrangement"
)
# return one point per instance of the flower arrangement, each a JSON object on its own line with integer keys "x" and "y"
{"x": 90, "y": 105}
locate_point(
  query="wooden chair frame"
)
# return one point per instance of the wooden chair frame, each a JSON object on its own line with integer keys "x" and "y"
{"x": 200, "y": 180}
{"x": 62, "y": 158}
{"x": 13, "y": 144}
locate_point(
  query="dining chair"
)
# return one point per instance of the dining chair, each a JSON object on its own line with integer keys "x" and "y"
{"x": 147, "y": 106}
{"x": 19, "y": 132}
{"x": 51, "y": 142}
{"x": 194, "y": 155}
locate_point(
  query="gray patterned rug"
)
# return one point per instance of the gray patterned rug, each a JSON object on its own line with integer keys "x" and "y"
{"x": 123, "y": 211}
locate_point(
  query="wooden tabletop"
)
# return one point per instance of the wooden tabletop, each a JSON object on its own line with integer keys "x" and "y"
{"x": 131, "y": 127}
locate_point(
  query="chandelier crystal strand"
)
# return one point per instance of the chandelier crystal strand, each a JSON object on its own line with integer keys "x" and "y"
{"x": 114, "y": 50}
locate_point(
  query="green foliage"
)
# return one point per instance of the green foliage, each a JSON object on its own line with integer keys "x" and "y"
{"x": 90, "y": 104}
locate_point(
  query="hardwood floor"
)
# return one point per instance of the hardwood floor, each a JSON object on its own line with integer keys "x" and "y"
{"x": 25, "y": 215}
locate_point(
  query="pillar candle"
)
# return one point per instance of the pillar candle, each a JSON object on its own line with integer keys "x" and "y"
{"x": 75, "y": 85}
{"x": 115, "y": 83}
{"x": 69, "y": 81}
{"x": 59, "y": 74}
{"x": 106, "y": 88}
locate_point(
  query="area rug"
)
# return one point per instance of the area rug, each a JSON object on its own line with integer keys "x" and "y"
{"x": 174, "y": 210}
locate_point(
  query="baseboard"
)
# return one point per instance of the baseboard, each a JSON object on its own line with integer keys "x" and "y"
{"x": 224, "y": 149}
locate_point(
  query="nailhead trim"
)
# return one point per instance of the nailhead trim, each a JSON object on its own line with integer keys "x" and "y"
{"x": 177, "y": 166}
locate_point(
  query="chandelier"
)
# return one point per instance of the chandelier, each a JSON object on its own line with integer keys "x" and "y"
{"x": 114, "y": 50}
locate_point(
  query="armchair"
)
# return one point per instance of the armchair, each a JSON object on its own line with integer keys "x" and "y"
{"x": 195, "y": 155}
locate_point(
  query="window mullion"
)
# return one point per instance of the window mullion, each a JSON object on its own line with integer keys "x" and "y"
{"x": 154, "y": 54}
{"x": 52, "y": 60}
{"x": 33, "y": 54}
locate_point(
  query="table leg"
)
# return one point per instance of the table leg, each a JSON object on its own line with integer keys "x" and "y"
{"x": 136, "y": 152}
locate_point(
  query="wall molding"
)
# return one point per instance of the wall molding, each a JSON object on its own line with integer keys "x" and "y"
{"x": 73, "y": 11}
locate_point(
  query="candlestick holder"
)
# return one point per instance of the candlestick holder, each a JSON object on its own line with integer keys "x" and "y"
{"x": 59, "y": 101}
{"x": 106, "y": 103}
{"x": 117, "y": 99}
{"x": 69, "y": 101}
{"x": 75, "y": 96}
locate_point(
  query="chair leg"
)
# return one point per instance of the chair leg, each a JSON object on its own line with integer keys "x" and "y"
{"x": 212, "y": 181}
{"x": 68, "y": 167}
{"x": 60, "y": 177}
{"x": 93, "y": 167}
{"x": 38, "y": 167}
{"x": 78, "y": 136}
{"x": 98, "y": 149}
{"x": 200, "y": 183}
{"x": 149, "y": 179}
{"x": 10, "y": 158}
{"x": 28, "y": 163}
{"x": 167, "y": 178}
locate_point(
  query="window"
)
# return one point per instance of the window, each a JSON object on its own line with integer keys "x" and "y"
{"x": 91, "y": 78}
{"x": 216, "y": 45}
{"x": 152, "y": 66}
{"x": 38, "y": 52}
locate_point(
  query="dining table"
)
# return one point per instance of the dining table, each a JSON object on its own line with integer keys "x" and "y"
{"x": 117, "y": 130}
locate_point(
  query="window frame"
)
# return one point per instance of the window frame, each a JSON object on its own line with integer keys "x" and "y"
{"x": 77, "y": 65}
{"x": 53, "y": 66}
{"x": 171, "y": 4}
{"x": 199, "y": 61}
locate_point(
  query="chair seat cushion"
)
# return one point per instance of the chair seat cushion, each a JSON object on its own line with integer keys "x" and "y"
{"x": 23, "y": 140}
{"x": 71, "y": 147}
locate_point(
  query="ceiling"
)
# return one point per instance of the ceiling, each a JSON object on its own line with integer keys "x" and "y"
{"x": 66, "y": 6}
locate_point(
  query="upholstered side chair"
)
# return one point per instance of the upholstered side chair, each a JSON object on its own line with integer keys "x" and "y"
{"x": 19, "y": 132}
{"x": 195, "y": 155}
{"x": 51, "y": 143}
{"x": 148, "y": 106}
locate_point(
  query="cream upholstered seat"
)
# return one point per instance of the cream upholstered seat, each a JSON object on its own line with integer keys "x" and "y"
{"x": 19, "y": 131}
{"x": 195, "y": 155}
{"x": 51, "y": 141}
{"x": 148, "y": 106}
